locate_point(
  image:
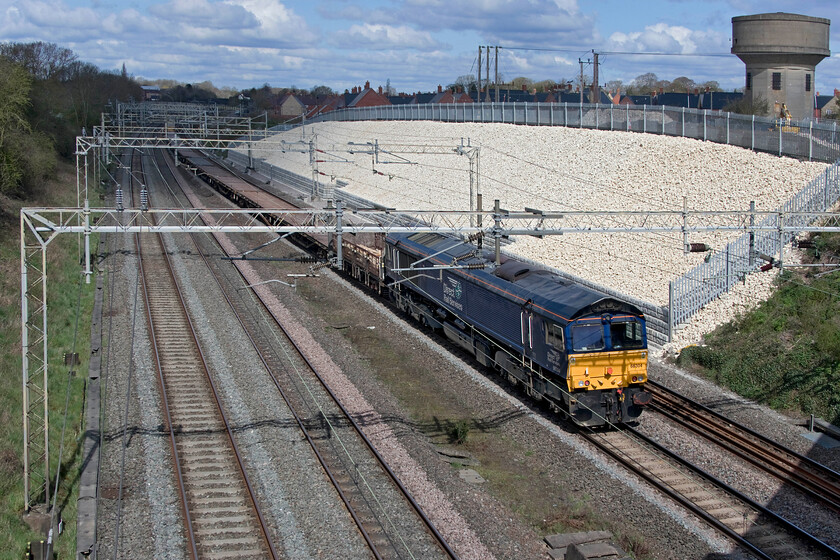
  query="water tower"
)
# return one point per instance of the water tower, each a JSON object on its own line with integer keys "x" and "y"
{"x": 781, "y": 52}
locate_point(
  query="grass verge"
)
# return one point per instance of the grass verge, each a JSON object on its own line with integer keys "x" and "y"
{"x": 63, "y": 287}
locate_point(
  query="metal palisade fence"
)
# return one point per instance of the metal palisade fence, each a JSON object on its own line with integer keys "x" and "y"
{"x": 707, "y": 281}
{"x": 806, "y": 140}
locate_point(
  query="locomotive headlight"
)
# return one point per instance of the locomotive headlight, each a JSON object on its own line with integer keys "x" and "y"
{"x": 580, "y": 383}
{"x": 644, "y": 354}
{"x": 586, "y": 383}
{"x": 572, "y": 361}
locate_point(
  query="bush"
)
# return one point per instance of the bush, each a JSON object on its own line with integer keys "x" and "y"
{"x": 460, "y": 432}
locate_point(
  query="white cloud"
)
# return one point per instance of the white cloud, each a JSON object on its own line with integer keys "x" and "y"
{"x": 386, "y": 37}
{"x": 661, "y": 37}
{"x": 201, "y": 13}
{"x": 508, "y": 22}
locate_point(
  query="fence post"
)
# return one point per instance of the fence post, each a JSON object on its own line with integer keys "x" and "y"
{"x": 596, "y": 116}
{"x": 628, "y": 116}
{"x": 683, "y": 122}
{"x": 752, "y": 235}
{"x": 670, "y": 311}
{"x": 644, "y": 118}
{"x": 752, "y": 139}
{"x": 580, "y": 122}
{"x": 611, "y": 117}
{"x": 551, "y": 113}
{"x": 728, "y": 281}
{"x": 705, "y": 112}
{"x": 663, "y": 120}
{"x": 810, "y": 140}
{"x": 727, "y": 128}
{"x": 781, "y": 244}
{"x": 565, "y": 113}
{"x": 826, "y": 195}
{"x": 780, "y": 137}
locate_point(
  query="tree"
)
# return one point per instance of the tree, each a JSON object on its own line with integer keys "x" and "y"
{"x": 42, "y": 60}
{"x": 520, "y": 81}
{"x": 615, "y": 86}
{"x": 747, "y": 106}
{"x": 682, "y": 84}
{"x": 467, "y": 81}
{"x": 644, "y": 84}
{"x": 25, "y": 155}
{"x": 321, "y": 91}
{"x": 712, "y": 85}
{"x": 545, "y": 85}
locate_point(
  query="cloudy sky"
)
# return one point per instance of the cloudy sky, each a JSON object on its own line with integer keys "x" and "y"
{"x": 416, "y": 44}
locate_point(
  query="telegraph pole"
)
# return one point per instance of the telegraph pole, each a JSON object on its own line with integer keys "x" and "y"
{"x": 496, "y": 81}
{"x": 580, "y": 61}
{"x": 478, "y": 86}
{"x": 596, "y": 94}
{"x": 487, "y": 62}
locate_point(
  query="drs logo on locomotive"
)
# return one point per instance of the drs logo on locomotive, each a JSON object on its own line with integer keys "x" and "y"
{"x": 452, "y": 293}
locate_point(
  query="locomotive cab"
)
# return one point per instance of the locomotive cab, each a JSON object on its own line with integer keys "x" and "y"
{"x": 607, "y": 368}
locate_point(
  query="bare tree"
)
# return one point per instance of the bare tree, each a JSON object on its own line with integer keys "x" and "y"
{"x": 644, "y": 84}
{"x": 42, "y": 60}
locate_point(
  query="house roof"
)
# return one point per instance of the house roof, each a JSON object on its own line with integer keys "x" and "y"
{"x": 717, "y": 100}
{"x": 423, "y": 97}
{"x": 689, "y": 100}
{"x": 641, "y": 99}
{"x": 822, "y": 100}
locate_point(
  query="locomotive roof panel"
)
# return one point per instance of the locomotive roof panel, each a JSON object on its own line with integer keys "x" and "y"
{"x": 549, "y": 293}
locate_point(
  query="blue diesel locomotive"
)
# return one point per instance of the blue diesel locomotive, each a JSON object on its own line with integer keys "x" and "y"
{"x": 583, "y": 352}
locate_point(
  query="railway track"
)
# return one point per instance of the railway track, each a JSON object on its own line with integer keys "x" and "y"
{"x": 813, "y": 479}
{"x": 750, "y": 525}
{"x": 390, "y": 521}
{"x": 222, "y": 516}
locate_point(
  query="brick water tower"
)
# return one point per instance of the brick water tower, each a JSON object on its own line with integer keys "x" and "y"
{"x": 781, "y": 52}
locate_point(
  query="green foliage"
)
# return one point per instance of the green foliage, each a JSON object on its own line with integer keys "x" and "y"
{"x": 747, "y": 106}
{"x": 47, "y": 97}
{"x": 785, "y": 353}
{"x": 460, "y": 431}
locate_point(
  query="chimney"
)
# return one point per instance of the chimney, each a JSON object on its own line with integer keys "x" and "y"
{"x": 837, "y": 93}
{"x": 440, "y": 88}
{"x": 367, "y": 84}
{"x": 380, "y": 90}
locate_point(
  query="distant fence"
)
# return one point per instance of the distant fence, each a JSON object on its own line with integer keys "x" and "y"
{"x": 804, "y": 140}
{"x": 705, "y": 282}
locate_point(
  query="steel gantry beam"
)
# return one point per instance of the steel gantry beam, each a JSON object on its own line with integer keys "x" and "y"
{"x": 48, "y": 222}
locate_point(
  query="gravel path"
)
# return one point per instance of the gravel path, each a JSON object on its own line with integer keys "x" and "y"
{"x": 558, "y": 168}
